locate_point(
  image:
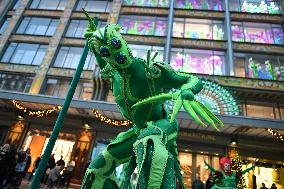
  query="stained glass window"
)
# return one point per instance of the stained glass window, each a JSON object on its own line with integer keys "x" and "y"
{"x": 256, "y": 6}
{"x": 143, "y": 25}
{"x": 147, "y": 3}
{"x": 259, "y": 66}
{"x": 198, "y": 28}
{"x": 257, "y": 33}
{"x": 216, "y": 5}
{"x": 198, "y": 61}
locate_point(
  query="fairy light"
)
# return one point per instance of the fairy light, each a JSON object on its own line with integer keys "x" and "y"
{"x": 110, "y": 121}
{"x": 237, "y": 167}
{"x": 37, "y": 113}
{"x": 275, "y": 134}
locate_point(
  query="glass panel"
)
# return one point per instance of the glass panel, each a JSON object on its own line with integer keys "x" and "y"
{"x": 201, "y": 169}
{"x": 48, "y": 4}
{"x": 160, "y": 3}
{"x": 200, "y": 4}
{"x": 19, "y": 83}
{"x": 252, "y": 6}
{"x": 238, "y": 32}
{"x": 262, "y": 68}
{"x": 186, "y": 168}
{"x": 4, "y": 25}
{"x": 260, "y": 111}
{"x": 240, "y": 67}
{"x": 9, "y": 52}
{"x": 282, "y": 112}
{"x": 278, "y": 35}
{"x": 52, "y": 27}
{"x": 40, "y": 55}
{"x": 178, "y": 27}
{"x": 94, "y": 6}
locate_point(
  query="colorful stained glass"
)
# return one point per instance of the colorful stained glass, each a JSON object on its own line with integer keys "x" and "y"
{"x": 253, "y": 6}
{"x": 147, "y": 3}
{"x": 257, "y": 33}
{"x": 216, "y": 5}
{"x": 142, "y": 25}
{"x": 198, "y": 61}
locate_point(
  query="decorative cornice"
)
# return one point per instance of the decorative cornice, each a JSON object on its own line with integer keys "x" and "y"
{"x": 143, "y": 39}
{"x": 18, "y": 68}
{"x": 149, "y": 11}
{"x": 43, "y": 13}
{"x": 247, "y": 17}
{"x": 30, "y": 38}
{"x": 80, "y": 15}
{"x": 259, "y": 48}
{"x": 198, "y": 43}
{"x": 65, "y": 72}
{"x": 246, "y": 82}
{"x": 198, "y": 14}
{"x": 72, "y": 42}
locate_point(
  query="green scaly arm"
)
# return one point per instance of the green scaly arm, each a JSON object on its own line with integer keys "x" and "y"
{"x": 210, "y": 167}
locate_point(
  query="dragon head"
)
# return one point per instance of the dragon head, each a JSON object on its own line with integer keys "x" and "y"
{"x": 109, "y": 44}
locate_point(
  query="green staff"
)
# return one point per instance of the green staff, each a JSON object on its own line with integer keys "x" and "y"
{"x": 62, "y": 114}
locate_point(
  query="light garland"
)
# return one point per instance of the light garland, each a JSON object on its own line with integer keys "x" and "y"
{"x": 275, "y": 134}
{"x": 109, "y": 121}
{"x": 38, "y": 113}
{"x": 237, "y": 166}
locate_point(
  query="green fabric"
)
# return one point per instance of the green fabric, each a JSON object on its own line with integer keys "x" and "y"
{"x": 138, "y": 87}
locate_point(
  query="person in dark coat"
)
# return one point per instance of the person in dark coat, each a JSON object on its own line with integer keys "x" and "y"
{"x": 4, "y": 162}
{"x": 50, "y": 165}
{"x": 36, "y": 164}
{"x": 11, "y": 163}
{"x": 197, "y": 184}
{"x": 210, "y": 181}
{"x": 60, "y": 162}
{"x": 273, "y": 186}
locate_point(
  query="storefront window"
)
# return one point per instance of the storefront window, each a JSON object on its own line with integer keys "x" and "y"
{"x": 198, "y": 61}
{"x": 261, "y": 111}
{"x": 198, "y": 29}
{"x": 253, "y": 6}
{"x": 282, "y": 112}
{"x": 15, "y": 82}
{"x": 257, "y": 33}
{"x": 56, "y": 87}
{"x": 147, "y": 3}
{"x": 186, "y": 168}
{"x": 216, "y": 5}
{"x": 201, "y": 168}
{"x": 260, "y": 67}
{"x": 143, "y": 25}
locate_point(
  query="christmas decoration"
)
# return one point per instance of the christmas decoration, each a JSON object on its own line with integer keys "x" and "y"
{"x": 275, "y": 134}
{"x": 237, "y": 167}
{"x": 109, "y": 121}
{"x": 38, "y": 113}
{"x": 138, "y": 87}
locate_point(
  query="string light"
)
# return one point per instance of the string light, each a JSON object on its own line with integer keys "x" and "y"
{"x": 109, "y": 121}
{"x": 275, "y": 134}
{"x": 38, "y": 113}
{"x": 237, "y": 167}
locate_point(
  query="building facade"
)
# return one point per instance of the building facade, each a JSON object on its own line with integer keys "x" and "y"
{"x": 238, "y": 44}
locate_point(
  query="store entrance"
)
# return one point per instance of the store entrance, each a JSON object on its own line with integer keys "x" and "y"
{"x": 37, "y": 142}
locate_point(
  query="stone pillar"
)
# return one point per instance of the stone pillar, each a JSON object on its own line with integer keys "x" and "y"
{"x": 114, "y": 13}
{"x": 52, "y": 47}
{"x": 13, "y": 22}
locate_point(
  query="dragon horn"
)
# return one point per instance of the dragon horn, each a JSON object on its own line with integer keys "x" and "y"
{"x": 92, "y": 22}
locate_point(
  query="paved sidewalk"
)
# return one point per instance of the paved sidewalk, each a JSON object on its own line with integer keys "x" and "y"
{"x": 25, "y": 185}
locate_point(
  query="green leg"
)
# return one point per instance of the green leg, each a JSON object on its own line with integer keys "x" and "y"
{"x": 100, "y": 173}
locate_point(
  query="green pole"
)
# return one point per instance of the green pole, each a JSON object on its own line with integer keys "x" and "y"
{"x": 60, "y": 119}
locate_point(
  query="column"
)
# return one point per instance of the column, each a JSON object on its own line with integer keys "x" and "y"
{"x": 52, "y": 47}
{"x": 193, "y": 176}
{"x": 114, "y": 13}
{"x": 167, "y": 50}
{"x": 230, "y": 53}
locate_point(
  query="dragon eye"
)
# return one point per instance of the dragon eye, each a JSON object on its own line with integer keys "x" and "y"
{"x": 116, "y": 43}
{"x": 104, "y": 52}
{"x": 120, "y": 58}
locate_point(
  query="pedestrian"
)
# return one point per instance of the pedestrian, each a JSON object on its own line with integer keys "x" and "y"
{"x": 22, "y": 166}
{"x": 197, "y": 184}
{"x": 263, "y": 186}
{"x": 36, "y": 164}
{"x": 50, "y": 165}
{"x": 11, "y": 163}
{"x": 273, "y": 186}
{"x": 69, "y": 170}
{"x": 61, "y": 161}
{"x": 4, "y": 162}
{"x": 54, "y": 175}
{"x": 210, "y": 181}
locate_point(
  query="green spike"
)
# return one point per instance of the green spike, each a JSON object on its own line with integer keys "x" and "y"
{"x": 192, "y": 113}
{"x": 93, "y": 22}
{"x": 203, "y": 114}
{"x": 176, "y": 108}
{"x": 155, "y": 55}
{"x": 211, "y": 115}
{"x": 153, "y": 99}
{"x": 148, "y": 57}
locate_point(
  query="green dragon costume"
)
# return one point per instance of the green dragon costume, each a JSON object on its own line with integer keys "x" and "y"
{"x": 226, "y": 179}
{"x": 138, "y": 87}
